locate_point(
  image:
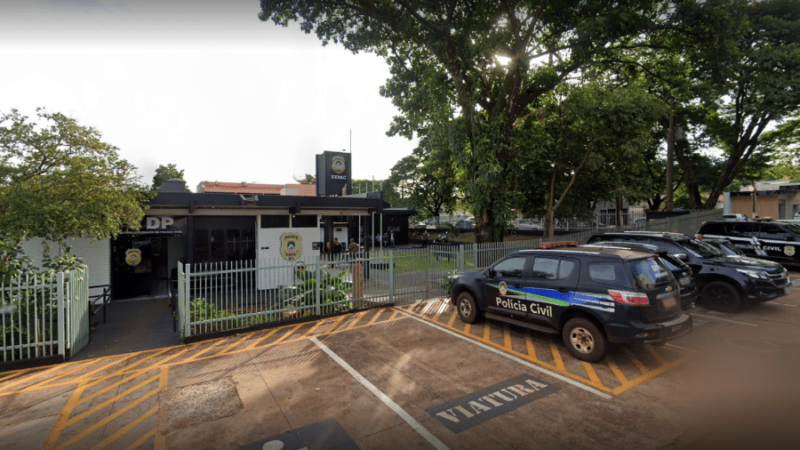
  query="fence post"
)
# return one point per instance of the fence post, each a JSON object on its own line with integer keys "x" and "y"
{"x": 391, "y": 277}
{"x": 460, "y": 263}
{"x": 317, "y": 276}
{"x": 61, "y": 319}
{"x": 187, "y": 303}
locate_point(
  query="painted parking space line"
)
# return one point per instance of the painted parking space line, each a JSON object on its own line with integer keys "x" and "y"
{"x": 683, "y": 349}
{"x": 720, "y": 319}
{"x": 427, "y": 435}
{"x": 784, "y": 304}
{"x": 612, "y": 376}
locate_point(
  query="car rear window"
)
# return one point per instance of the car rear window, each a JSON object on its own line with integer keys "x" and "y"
{"x": 650, "y": 273}
{"x": 609, "y": 273}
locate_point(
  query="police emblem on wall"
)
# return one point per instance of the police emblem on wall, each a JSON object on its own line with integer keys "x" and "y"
{"x": 291, "y": 246}
{"x": 133, "y": 256}
{"x": 502, "y": 288}
{"x": 337, "y": 164}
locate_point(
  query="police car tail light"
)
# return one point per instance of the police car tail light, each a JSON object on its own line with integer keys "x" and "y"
{"x": 629, "y": 298}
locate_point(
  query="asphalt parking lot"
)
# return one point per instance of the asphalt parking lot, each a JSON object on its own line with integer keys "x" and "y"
{"x": 414, "y": 376}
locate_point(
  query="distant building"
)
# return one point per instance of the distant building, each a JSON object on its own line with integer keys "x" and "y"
{"x": 777, "y": 199}
{"x": 303, "y": 190}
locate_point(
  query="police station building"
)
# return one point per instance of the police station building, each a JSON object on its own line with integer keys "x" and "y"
{"x": 236, "y": 221}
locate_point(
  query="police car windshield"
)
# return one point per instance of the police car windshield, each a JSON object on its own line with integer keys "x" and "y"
{"x": 794, "y": 228}
{"x": 702, "y": 249}
{"x": 650, "y": 273}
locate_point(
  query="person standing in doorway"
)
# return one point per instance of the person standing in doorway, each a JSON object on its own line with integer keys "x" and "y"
{"x": 424, "y": 238}
{"x": 391, "y": 238}
{"x": 353, "y": 249}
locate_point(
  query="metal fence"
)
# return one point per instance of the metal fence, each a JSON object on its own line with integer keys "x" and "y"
{"x": 223, "y": 296}
{"x": 44, "y": 315}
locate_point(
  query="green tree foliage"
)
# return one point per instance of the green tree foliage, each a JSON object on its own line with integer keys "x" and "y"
{"x": 486, "y": 63}
{"x": 58, "y": 179}
{"x": 427, "y": 179}
{"x": 745, "y": 71}
{"x": 591, "y": 138}
{"x": 164, "y": 173}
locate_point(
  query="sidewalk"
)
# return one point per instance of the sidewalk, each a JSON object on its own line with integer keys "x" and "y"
{"x": 132, "y": 326}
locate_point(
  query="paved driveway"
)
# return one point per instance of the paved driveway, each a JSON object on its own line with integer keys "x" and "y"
{"x": 416, "y": 377}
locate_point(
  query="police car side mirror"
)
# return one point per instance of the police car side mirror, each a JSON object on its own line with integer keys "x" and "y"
{"x": 681, "y": 256}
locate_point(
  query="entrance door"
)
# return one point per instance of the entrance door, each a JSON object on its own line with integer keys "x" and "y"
{"x": 139, "y": 266}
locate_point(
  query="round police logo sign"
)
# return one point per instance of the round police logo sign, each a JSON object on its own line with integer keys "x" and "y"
{"x": 291, "y": 246}
{"x": 788, "y": 250}
{"x": 502, "y": 288}
{"x": 133, "y": 256}
{"x": 338, "y": 164}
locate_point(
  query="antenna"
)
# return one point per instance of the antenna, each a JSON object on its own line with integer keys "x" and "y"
{"x": 351, "y": 141}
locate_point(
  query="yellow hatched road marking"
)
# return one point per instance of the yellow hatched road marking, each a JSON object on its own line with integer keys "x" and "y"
{"x": 355, "y": 320}
{"x": 591, "y": 374}
{"x": 557, "y": 358}
{"x": 559, "y": 366}
{"x": 529, "y": 346}
{"x": 639, "y": 365}
{"x": 263, "y": 338}
{"x": 311, "y": 330}
{"x": 656, "y": 355}
{"x": 452, "y": 318}
{"x": 15, "y": 373}
{"x": 392, "y": 317}
{"x": 161, "y": 387}
{"x": 142, "y": 439}
{"x": 108, "y": 402}
{"x": 87, "y": 375}
{"x": 506, "y": 337}
{"x": 125, "y": 429}
{"x": 7, "y": 388}
{"x": 375, "y": 317}
{"x": 204, "y": 351}
{"x": 63, "y": 417}
{"x": 291, "y": 332}
{"x": 228, "y": 348}
{"x": 332, "y": 328}
{"x": 618, "y": 373}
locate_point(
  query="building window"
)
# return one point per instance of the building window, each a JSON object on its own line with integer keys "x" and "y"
{"x": 275, "y": 221}
{"x": 234, "y": 246}
{"x": 304, "y": 222}
{"x": 200, "y": 246}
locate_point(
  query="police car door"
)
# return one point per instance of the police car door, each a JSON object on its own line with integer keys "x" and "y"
{"x": 503, "y": 285}
{"x": 551, "y": 286}
{"x": 743, "y": 235}
{"x": 776, "y": 242}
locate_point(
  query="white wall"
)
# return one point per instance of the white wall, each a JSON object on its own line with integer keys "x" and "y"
{"x": 95, "y": 254}
{"x": 268, "y": 243}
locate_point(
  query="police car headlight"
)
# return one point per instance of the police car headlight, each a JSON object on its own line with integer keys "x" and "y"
{"x": 757, "y": 274}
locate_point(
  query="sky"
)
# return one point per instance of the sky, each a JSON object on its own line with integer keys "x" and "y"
{"x": 201, "y": 84}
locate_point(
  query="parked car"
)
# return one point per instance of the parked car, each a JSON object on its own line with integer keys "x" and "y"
{"x": 776, "y": 241}
{"x": 590, "y": 297}
{"x": 528, "y": 225}
{"x": 680, "y": 270}
{"x": 726, "y": 246}
{"x": 734, "y": 217}
{"x": 724, "y": 284}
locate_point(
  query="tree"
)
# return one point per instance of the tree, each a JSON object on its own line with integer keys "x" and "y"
{"x": 487, "y": 63}
{"x": 306, "y": 179}
{"x": 746, "y": 71}
{"x": 164, "y": 173}
{"x": 596, "y": 136}
{"x": 58, "y": 179}
{"x": 427, "y": 177}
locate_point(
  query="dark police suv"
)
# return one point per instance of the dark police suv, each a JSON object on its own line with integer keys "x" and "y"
{"x": 777, "y": 241}
{"x": 725, "y": 284}
{"x": 680, "y": 270}
{"x": 589, "y": 296}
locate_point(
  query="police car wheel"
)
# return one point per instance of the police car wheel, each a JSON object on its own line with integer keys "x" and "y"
{"x": 721, "y": 296}
{"x": 467, "y": 308}
{"x": 584, "y": 340}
